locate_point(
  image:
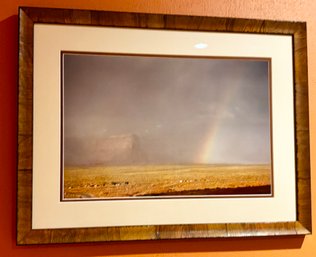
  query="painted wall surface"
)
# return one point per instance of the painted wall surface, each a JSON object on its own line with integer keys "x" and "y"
{"x": 297, "y": 10}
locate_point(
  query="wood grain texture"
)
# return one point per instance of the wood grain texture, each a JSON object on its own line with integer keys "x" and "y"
{"x": 29, "y": 16}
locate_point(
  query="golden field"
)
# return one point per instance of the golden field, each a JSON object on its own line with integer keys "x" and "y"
{"x": 171, "y": 180}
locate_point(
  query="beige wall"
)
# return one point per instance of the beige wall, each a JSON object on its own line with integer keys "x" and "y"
{"x": 297, "y": 10}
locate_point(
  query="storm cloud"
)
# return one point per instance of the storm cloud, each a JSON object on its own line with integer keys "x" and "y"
{"x": 181, "y": 109}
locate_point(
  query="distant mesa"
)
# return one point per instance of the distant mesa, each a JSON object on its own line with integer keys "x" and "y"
{"x": 112, "y": 150}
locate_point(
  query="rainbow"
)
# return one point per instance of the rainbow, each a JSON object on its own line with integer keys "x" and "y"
{"x": 205, "y": 156}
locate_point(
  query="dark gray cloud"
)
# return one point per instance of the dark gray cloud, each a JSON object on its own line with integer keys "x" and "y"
{"x": 175, "y": 107}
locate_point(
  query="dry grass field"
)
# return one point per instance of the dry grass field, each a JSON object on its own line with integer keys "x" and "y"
{"x": 148, "y": 181}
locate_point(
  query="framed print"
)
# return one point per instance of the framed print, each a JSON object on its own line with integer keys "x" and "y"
{"x": 138, "y": 126}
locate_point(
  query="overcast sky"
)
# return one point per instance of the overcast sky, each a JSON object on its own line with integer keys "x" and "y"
{"x": 182, "y": 110}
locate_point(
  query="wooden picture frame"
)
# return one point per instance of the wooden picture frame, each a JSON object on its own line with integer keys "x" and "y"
{"x": 27, "y": 234}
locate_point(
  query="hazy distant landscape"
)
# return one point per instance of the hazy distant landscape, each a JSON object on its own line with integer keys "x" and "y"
{"x": 159, "y": 181}
{"x": 143, "y": 110}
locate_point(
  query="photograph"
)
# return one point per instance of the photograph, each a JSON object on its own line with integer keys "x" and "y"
{"x": 150, "y": 126}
